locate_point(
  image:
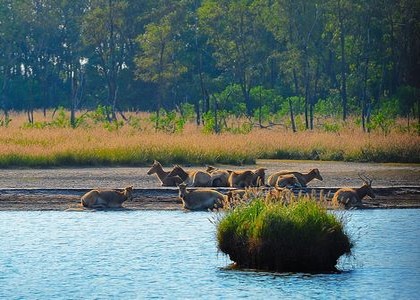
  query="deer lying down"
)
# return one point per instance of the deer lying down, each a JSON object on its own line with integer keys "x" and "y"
{"x": 303, "y": 178}
{"x": 102, "y": 199}
{"x": 200, "y": 199}
{"x": 352, "y": 197}
{"x": 247, "y": 178}
{"x": 193, "y": 177}
{"x": 219, "y": 177}
{"x": 288, "y": 180}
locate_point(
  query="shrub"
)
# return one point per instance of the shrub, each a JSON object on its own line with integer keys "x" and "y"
{"x": 167, "y": 121}
{"x": 297, "y": 237}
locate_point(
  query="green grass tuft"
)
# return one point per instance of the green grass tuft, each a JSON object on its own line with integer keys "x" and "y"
{"x": 301, "y": 236}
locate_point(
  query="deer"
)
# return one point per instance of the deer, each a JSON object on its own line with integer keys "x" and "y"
{"x": 288, "y": 180}
{"x": 247, "y": 178}
{"x": 191, "y": 178}
{"x": 303, "y": 178}
{"x": 162, "y": 175}
{"x": 219, "y": 178}
{"x": 200, "y": 199}
{"x": 352, "y": 197}
{"x": 102, "y": 199}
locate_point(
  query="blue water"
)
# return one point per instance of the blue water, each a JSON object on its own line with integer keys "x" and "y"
{"x": 173, "y": 255}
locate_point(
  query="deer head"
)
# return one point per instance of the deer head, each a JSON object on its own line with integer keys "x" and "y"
{"x": 367, "y": 184}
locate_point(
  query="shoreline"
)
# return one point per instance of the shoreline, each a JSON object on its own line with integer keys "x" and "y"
{"x": 395, "y": 185}
{"x": 166, "y": 198}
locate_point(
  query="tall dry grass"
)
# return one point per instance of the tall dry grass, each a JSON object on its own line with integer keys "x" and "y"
{"x": 96, "y": 145}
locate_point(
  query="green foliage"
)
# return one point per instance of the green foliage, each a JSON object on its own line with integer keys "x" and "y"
{"x": 300, "y": 236}
{"x": 209, "y": 123}
{"x": 384, "y": 117}
{"x": 167, "y": 121}
{"x": 5, "y": 121}
{"x": 224, "y": 124}
{"x": 330, "y": 106}
{"x": 242, "y": 128}
{"x": 246, "y": 54}
{"x": 60, "y": 120}
{"x": 331, "y": 127}
{"x": 263, "y": 113}
{"x": 101, "y": 114}
{"x": 187, "y": 111}
{"x": 135, "y": 122}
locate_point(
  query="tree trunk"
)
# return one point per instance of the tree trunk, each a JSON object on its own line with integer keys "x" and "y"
{"x": 343, "y": 63}
{"x": 343, "y": 77}
{"x": 292, "y": 117}
{"x": 216, "y": 121}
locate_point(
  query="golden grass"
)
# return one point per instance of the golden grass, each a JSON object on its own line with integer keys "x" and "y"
{"x": 128, "y": 146}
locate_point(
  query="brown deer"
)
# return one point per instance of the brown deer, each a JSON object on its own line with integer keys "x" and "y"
{"x": 164, "y": 179}
{"x": 219, "y": 178}
{"x": 193, "y": 177}
{"x": 288, "y": 180}
{"x": 200, "y": 199}
{"x": 102, "y": 199}
{"x": 352, "y": 197}
{"x": 247, "y": 178}
{"x": 303, "y": 178}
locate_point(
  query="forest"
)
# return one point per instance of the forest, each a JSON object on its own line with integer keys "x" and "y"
{"x": 243, "y": 58}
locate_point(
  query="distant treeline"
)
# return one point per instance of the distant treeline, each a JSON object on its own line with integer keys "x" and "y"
{"x": 349, "y": 57}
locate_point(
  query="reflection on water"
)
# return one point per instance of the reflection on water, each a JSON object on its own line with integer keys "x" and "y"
{"x": 173, "y": 254}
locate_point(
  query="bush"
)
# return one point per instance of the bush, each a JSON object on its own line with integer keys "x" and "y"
{"x": 298, "y": 237}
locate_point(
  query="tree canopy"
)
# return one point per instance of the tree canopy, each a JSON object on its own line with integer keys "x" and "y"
{"x": 352, "y": 56}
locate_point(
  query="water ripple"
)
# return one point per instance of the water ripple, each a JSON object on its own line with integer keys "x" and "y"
{"x": 173, "y": 255}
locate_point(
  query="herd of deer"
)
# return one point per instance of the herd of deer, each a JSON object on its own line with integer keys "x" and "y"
{"x": 204, "y": 198}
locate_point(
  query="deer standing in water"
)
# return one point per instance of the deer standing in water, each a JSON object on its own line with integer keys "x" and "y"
{"x": 352, "y": 197}
{"x": 200, "y": 199}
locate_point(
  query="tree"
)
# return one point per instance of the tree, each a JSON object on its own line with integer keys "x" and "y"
{"x": 233, "y": 32}
{"x": 11, "y": 37}
{"x": 157, "y": 62}
{"x": 103, "y": 28}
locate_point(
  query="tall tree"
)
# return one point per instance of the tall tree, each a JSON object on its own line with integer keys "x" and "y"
{"x": 158, "y": 61}
{"x": 11, "y": 39}
{"x": 103, "y": 28}
{"x": 232, "y": 30}
{"x": 339, "y": 23}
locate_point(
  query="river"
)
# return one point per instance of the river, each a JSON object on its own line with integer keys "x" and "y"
{"x": 173, "y": 255}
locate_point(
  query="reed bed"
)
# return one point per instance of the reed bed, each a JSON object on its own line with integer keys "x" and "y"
{"x": 96, "y": 145}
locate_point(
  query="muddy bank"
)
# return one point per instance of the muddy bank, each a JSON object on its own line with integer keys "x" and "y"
{"x": 167, "y": 198}
{"x": 396, "y": 185}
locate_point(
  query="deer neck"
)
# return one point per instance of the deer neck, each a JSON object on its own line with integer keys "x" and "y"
{"x": 308, "y": 176}
{"x": 183, "y": 193}
{"x": 161, "y": 173}
{"x": 182, "y": 174}
{"x": 362, "y": 191}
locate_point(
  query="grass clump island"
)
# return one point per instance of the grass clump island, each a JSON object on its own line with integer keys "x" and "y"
{"x": 297, "y": 237}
